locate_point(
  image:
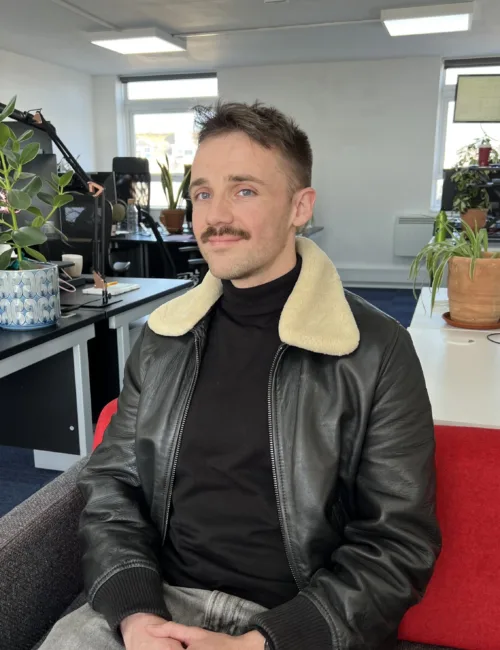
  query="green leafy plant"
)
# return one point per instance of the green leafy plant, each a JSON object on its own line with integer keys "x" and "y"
{"x": 468, "y": 177}
{"x": 17, "y": 191}
{"x": 168, "y": 184}
{"x": 436, "y": 255}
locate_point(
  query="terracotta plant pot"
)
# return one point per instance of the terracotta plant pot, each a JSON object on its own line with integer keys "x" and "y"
{"x": 173, "y": 220}
{"x": 477, "y": 300}
{"x": 474, "y": 217}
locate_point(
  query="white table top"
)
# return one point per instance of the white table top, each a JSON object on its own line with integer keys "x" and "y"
{"x": 461, "y": 367}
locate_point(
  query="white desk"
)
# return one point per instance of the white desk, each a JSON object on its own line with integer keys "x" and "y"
{"x": 461, "y": 367}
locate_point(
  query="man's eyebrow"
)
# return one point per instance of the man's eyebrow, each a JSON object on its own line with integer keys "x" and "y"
{"x": 244, "y": 178}
{"x": 197, "y": 183}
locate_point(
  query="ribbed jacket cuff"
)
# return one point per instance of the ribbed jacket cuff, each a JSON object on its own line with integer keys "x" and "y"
{"x": 131, "y": 591}
{"x": 296, "y": 625}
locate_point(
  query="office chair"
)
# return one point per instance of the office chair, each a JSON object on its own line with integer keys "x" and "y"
{"x": 196, "y": 262}
{"x": 169, "y": 269}
{"x": 133, "y": 180}
{"x": 77, "y": 224}
{"x": 195, "y": 259}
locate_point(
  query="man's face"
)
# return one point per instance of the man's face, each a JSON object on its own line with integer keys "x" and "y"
{"x": 244, "y": 215}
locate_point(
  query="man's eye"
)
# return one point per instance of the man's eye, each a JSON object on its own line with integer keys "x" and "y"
{"x": 202, "y": 196}
{"x": 246, "y": 193}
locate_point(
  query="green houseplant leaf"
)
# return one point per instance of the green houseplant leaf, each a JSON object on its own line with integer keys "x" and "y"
{"x": 9, "y": 109}
{"x": 4, "y": 134}
{"x": 26, "y": 265}
{"x": 19, "y": 199}
{"x": 29, "y": 153}
{"x": 33, "y": 187}
{"x": 37, "y": 212}
{"x": 35, "y": 254}
{"x": 26, "y": 135}
{"x": 28, "y": 236}
{"x": 5, "y": 258}
{"x": 65, "y": 179}
{"x": 61, "y": 199}
{"x": 46, "y": 198}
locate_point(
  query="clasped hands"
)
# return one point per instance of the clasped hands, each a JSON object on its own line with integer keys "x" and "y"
{"x": 148, "y": 632}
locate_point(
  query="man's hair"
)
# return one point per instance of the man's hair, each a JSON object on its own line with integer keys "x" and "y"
{"x": 265, "y": 125}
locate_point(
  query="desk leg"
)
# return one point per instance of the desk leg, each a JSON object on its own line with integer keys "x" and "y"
{"x": 123, "y": 342}
{"x": 146, "y": 261}
{"x": 62, "y": 462}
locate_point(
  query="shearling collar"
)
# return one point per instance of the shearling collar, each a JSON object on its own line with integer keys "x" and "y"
{"x": 316, "y": 317}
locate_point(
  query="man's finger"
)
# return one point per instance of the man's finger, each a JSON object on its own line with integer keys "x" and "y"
{"x": 182, "y": 633}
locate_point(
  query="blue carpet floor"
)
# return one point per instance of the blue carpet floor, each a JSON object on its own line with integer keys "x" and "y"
{"x": 19, "y": 479}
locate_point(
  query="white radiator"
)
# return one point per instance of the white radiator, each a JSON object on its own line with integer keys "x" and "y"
{"x": 411, "y": 234}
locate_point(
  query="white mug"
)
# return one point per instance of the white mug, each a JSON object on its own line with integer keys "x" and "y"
{"x": 76, "y": 270}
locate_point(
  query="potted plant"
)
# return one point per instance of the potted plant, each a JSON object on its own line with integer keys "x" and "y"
{"x": 173, "y": 217}
{"x": 471, "y": 200}
{"x": 473, "y": 275}
{"x": 29, "y": 287}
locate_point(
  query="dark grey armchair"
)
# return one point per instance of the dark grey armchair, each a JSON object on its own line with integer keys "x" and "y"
{"x": 40, "y": 577}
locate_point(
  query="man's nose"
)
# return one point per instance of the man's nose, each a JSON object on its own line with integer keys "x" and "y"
{"x": 219, "y": 212}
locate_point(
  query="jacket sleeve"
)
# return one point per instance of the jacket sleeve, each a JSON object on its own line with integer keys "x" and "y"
{"x": 391, "y": 539}
{"x": 120, "y": 543}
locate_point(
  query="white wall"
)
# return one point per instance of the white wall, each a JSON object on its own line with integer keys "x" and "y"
{"x": 64, "y": 95}
{"x": 110, "y": 129}
{"x": 372, "y": 125}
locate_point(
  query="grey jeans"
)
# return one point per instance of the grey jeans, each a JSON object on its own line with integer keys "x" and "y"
{"x": 84, "y": 629}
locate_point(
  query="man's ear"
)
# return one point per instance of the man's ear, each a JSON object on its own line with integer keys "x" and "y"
{"x": 304, "y": 206}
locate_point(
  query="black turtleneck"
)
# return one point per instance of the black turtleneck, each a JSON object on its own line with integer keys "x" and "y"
{"x": 224, "y": 532}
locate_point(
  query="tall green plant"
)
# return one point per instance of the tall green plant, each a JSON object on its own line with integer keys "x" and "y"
{"x": 436, "y": 255}
{"x": 168, "y": 184}
{"x": 17, "y": 191}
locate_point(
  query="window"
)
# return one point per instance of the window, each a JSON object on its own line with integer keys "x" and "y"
{"x": 161, "y": 121}
{"x": 452, "y": 136}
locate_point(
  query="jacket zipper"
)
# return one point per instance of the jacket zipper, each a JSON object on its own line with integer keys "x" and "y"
{"x": 168, "y": 501}
{"x": 286, "y": 541}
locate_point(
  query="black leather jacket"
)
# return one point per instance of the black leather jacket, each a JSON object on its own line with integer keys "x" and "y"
{"x": 352, "y": 445}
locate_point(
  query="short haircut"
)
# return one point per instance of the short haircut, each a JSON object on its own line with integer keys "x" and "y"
{"x": 265, "y": 125}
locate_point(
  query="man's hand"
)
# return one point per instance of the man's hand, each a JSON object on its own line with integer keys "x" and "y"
{"x": 195, "y": 638}
{"x": 137, "y": 631}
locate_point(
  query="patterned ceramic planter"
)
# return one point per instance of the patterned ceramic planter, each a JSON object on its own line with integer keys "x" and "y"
{"x": 29, "y": 299}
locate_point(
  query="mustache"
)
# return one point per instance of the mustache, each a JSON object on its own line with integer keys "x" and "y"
{"x": 221, "y": 232}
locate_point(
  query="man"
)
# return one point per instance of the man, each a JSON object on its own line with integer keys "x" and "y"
{"x": 268, "y": 480}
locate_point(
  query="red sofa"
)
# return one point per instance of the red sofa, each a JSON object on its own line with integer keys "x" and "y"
{"x": 461, "y": 608}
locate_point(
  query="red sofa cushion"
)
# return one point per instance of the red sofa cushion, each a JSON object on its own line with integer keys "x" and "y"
{"x": 461, "y": 608}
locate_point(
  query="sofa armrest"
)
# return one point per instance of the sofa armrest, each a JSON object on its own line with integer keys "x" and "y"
{"x": 40, "y": 571}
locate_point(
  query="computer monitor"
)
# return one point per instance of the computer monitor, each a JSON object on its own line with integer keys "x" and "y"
{"x": 108, "y": 181}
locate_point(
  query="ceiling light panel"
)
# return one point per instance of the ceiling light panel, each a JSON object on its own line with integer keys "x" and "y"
{"x": 429, "y": 20}
{"x": 138, "y": 41}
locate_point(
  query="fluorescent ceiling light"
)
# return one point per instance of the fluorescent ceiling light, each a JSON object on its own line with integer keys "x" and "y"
{"x": 437, "y": 19}
{"x": 138, "y": 41}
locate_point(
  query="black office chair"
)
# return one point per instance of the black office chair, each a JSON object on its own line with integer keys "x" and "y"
{"x": 196, "y": 262}
{"x": 195, "y": 259}
{"x": 169, "y": 269}
{"x": 133, "y": 180}
{"x": 77, "y": 224}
